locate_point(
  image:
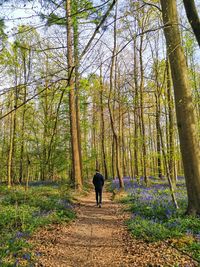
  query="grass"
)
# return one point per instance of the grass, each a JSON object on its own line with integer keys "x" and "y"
{"x": 155, "y": 218}
{"x": 22, "y": 212}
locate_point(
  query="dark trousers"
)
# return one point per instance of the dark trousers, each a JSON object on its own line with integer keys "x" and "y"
{"x": 98, "y": 195}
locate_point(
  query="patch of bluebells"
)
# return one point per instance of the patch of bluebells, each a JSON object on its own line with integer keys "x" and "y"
{"x": 22, "y": 235}
{"x": 157, "y": 194}
{"x": 22, "y": 214}
{"x": 154, "y": 216}
{"x": 198, "y": 237}
{"x": 65, "y": 204}
{"x": 42, "y": 213}
{"x": 44, "y": 183}
{"x": 60, "y": 204}
{"x": 26, "y": 256}
{"x": 154, "y": 201}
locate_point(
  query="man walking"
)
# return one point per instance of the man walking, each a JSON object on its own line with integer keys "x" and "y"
{"x": 98, "y": 182}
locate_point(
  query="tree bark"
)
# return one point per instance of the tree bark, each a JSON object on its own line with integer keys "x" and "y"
{"x": 193, "y": 17}
{"x": 115, "y": 135}
{"x": 23, "y": 124}
{"x": 142, "y": 128}
{"x": 103, "y": 126}
{"x": 171, "y": 133}
{"x": 136, "y": 113}
{"x": 130, "y": 147}
{"x": 158, "y": 137}
{"x": 12, "y": 141}
{"x": 187, "y": 127}
{"x": 76, "y": 61}
{"x": 72, "y": 104}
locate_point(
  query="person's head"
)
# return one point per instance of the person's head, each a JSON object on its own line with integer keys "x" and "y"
{"x": 97, "y": 170}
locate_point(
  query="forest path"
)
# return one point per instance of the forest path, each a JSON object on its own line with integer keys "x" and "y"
{"x": 98, "y": 238}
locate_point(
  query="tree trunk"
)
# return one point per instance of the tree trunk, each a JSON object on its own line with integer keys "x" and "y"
{"x": 189, "y": 141}
{"x": 27, "y": 174}
{"x": 10, "y": 155}
{"x": 23, "y": 123}
{"x": 115, "y": 135}
{"x": 171, "y": 133}
{"x": 136, "y": 113}
{"x": 125, "y": 160}
{"x": 130, "y": 146}
{"x": 12, "y": 142}
{"x": 158, "y": 137}
{"x": 167, "y": 171}
{"x": 72, "y": 104}
{"x": 76, "y": 61}
{"x": 142, "y": 129}
{"x": 22, "y": 145}
{"x": 113, "y": 158}
{"x": 193, "y": 17}
{"x": 103, "y": 127}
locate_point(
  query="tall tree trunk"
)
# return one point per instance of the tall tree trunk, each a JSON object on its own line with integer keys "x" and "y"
{"x": 76, "y": 61}
{"x": 72, "y": 105}
{"x": 12, "y": 141}
{"x": 125, "y": 161}
{"x": 158, "y": 137}
{"x": 103, "y": 126}
{"x": 27, "y": 174}
{"x": 115, "y": 135}
{"x": 187, "y": 127}
{"x": 193, "y": 17}
{"x": 171, "y": 151}
{"x": 119, "y": 116}
{"x": 136, "y": 113}
{"x": 10, "y": 155}
{"x": 23, "y": 123}
{"x": 45, "y": 131}
{"x": 158, "y": 115}
{"x": 131, "y": 171}
{"x": 94, "y": 133}
{"x": 22, "y": 144}
{"x": 151, "y": 149}
{"x": 167, "y": 171}
{"x": 113, "y": 165}
{"x": 142, "y": 129}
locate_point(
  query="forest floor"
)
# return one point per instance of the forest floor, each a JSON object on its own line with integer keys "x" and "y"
{"x": 98, "y": 237}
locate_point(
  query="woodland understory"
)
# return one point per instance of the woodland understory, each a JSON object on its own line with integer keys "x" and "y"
{"x": 112, "y": 85}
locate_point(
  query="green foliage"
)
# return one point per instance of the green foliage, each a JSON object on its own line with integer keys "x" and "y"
{"x": 80, "y": 10}
{"x": 155, "y": 218}
{"x": 21, "y": 213}
{"x": 154, "y": 224}
{"x": 193, "y": 248}
{"x": 54, "y": 19}
{"x": 3, "y": 36}
{"x": 149, "y": 230}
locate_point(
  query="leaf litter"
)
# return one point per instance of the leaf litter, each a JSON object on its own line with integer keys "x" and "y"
{"x": 98, "y": 237}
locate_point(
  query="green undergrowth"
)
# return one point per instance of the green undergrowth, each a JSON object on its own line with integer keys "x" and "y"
{"x": 157, "y": 223}
{"x": 22, "y": 212}
{"x": 154, "y": 216}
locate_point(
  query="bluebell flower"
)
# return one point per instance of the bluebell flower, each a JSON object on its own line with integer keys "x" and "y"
{"x": 19, "y": 235}
{"x": 198, "y": 237}
{"x": 38, "y": 254}
{"x": 189, "y": 232}
{"x": 15, "y": 264}
{"x": 27, "y": 256}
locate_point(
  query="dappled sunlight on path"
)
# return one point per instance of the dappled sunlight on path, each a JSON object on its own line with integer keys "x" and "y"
{"x": 98, "y": 238}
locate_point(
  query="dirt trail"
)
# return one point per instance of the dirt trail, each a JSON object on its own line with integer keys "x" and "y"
{"x": 98, "y": 238}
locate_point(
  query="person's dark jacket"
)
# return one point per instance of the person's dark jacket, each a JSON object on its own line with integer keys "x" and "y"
{"x": 98, "y": 180}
